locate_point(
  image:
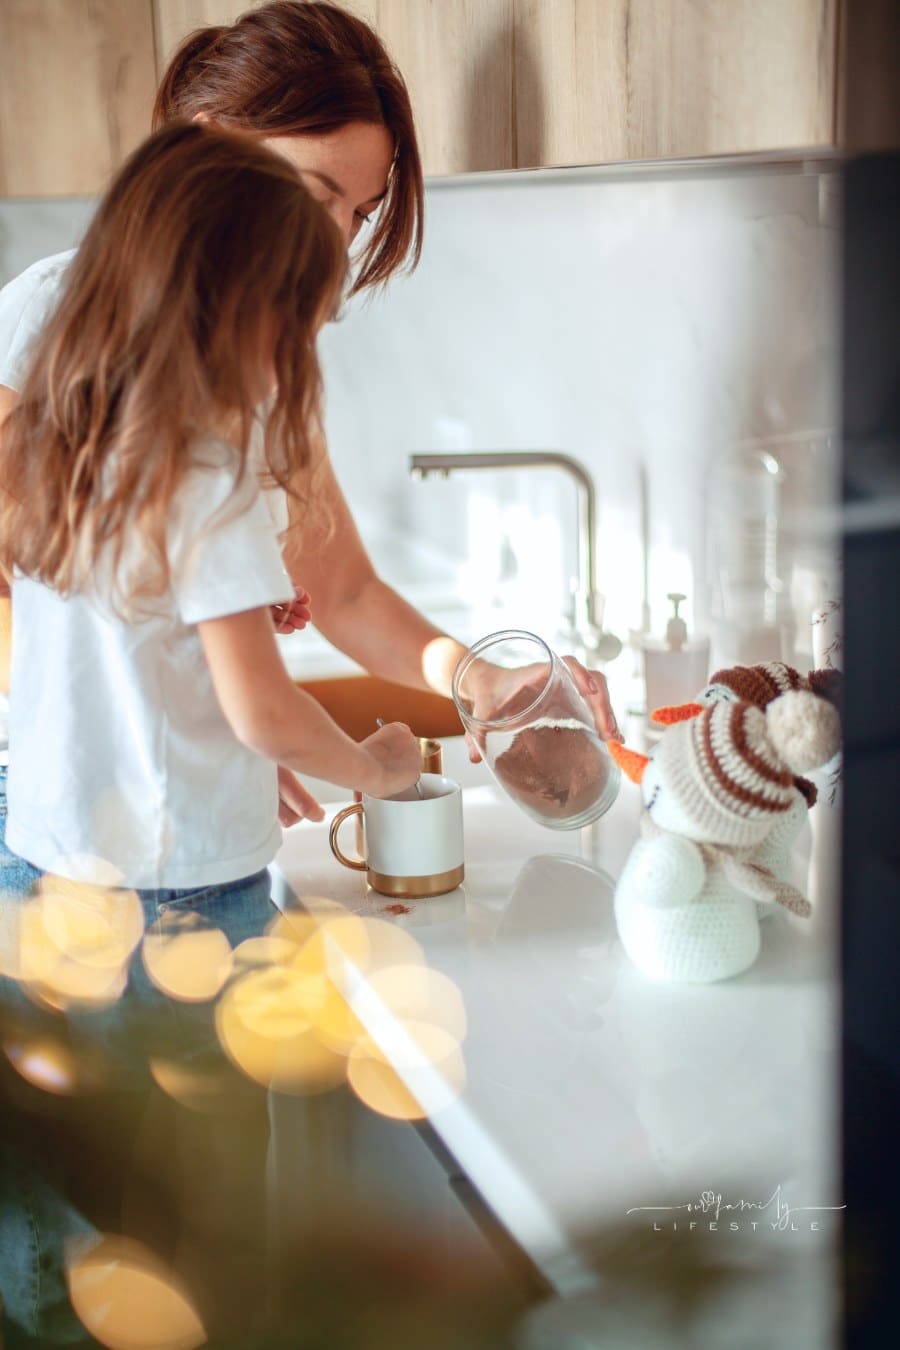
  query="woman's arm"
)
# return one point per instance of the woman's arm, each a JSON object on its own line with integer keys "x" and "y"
{"x": 271, "y": 716}
{"x": 353, "y": 607}
{"x": 365, "y": 618}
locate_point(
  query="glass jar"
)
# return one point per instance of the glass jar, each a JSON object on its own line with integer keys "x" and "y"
{"x": 535, "y": 732}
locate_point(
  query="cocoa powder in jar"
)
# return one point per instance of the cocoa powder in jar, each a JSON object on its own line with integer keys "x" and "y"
{"x": 555, "y": 768}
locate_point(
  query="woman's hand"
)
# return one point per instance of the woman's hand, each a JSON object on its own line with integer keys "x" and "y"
{"x": 594, "y": 690}
{"x": 292, "y": 617}
{"x": 294, "y": 802}
{"x": 590, "y": 684}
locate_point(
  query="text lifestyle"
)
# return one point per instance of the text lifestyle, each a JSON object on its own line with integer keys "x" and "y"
{"x": 710, "y": 1203}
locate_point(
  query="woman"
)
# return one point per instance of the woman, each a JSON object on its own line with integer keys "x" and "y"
{"x": 316, "y": 85}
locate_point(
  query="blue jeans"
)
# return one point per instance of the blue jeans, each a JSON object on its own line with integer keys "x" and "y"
{"x": 17, "y": 877}
{"x": 240, "y": 908}
{"x": 38, "y": 1205}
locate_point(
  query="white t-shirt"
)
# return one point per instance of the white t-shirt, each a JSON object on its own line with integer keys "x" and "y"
{"x": 119, "y": 749}
{"x": 25, "y": 304}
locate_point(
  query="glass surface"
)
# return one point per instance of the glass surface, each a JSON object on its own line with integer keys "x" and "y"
{"x": 534, "y": 730}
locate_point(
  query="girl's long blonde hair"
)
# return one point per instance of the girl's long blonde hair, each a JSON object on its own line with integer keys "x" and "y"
{"x": 200, "y": 283}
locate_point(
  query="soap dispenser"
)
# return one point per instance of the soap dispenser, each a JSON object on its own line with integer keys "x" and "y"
{"x": 675, "y": 668}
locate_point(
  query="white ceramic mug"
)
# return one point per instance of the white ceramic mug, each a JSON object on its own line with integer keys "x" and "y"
{"x": 414, "y": 846}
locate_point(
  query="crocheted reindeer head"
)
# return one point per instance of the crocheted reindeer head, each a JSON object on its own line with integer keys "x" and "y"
{"x": 724, "y": 775}
{"x": 758, "y": 685}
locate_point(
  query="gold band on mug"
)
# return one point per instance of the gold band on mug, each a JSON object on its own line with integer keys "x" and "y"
{"x": 432, "y": 755}
{"x": 358, "y": 864}
{"x": 416, "y": 888}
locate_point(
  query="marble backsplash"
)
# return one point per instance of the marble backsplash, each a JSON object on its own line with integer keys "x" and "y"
{"x": 650, "y": 321}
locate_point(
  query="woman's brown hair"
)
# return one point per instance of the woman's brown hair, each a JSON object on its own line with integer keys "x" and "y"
{"x": 305, "y": 67}
{"x": 200, "y": 285}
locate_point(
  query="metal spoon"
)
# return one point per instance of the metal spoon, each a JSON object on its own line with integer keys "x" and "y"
{"x": 379, "y": 722}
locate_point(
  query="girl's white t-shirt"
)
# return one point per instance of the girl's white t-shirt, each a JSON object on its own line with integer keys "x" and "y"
{"x": 123, "y": 767}
{"x": 26, "y": 303}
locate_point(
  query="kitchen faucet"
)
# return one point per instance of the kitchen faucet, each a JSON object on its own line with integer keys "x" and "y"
{"x": 585, "y": 623}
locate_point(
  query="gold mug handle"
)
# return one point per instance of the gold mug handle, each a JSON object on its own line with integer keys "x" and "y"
{"x": 357, "y": 864}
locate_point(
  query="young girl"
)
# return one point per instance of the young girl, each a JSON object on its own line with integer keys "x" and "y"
{"x": 142, "y": 501}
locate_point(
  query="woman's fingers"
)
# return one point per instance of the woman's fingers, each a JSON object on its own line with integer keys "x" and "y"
{"x": 474, "y": 752}
{"x": 593, "y": 688}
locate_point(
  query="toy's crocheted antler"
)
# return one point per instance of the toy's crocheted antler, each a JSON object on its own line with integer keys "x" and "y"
{"x": 759, "y": 883}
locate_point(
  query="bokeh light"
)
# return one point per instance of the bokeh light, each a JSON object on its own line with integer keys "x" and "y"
{"x": 262, "y": 951}
{"x": 91, "y": 924}
{"x": 415, "y": 1070}
{"x": 186, "y": 957}
{"x": 416, "y": 992}
{"x": 45, "y": 1063}
{"x": 286, "y": 1054}
{"x": 127, "y": 1299}
{"x": 208, "y": 1085}
{"x": 59, "y": 979}
{"x": 277, "y": 1002}
{"x": 70, "y": 944}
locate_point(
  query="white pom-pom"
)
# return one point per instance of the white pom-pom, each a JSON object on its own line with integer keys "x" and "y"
{"x": 804, "y": 729}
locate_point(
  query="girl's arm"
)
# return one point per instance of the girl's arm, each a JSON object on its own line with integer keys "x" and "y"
{"x": 271, "y": 716}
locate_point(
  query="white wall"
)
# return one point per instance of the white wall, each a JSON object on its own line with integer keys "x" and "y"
{"x": 644, "y": 320}
{"x": 32, "y": 228}
{"x": 638, "y": 320}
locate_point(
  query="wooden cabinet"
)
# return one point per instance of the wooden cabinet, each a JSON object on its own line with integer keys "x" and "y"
{"x": 174, "y": 19}
{"x": 456, "y": 57}
{"x": 495, "y": 84}
{"x": 654, "y": 79}
{"x": 77, "y": 80}
{"x": 504, "y": 84}
{"x": 552, "y": 82}
{"x": 458, "y": 60}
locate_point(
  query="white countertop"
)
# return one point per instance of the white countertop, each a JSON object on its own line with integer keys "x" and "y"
{"x": 591, "y": 1091}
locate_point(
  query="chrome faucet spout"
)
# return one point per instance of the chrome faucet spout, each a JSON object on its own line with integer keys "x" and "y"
{"x": 587, "y": 619}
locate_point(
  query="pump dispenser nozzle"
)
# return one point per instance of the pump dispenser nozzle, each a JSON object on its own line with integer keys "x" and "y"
{"x": 676, "y": 628}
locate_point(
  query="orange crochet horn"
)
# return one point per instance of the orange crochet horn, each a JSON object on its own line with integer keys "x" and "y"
{"x": 676, "y": 712}
{"x": 629, "y": 761}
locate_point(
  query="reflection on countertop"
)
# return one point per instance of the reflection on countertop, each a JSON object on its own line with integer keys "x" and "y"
{"x": 593, "y": 1094}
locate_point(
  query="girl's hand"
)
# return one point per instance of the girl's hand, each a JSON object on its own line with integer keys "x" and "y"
{"x": 397, "y": 759}
{"x": 292, "y": 617}
{"x": 590, "y": 684}
{"x": 294, "y": 802}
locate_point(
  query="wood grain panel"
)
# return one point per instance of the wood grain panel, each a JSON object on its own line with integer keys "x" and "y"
{"x": 174, "y": 19}
{"x": 570, "y": 80}
{"x": 648, "y": 79}
{"x": 77, "y": 81}
{"x": 457, "y": 59}
{"x": 718, "y": 76}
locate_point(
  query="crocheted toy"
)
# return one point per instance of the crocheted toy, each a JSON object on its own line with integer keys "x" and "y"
{"x": 718, "y": 790}
{"x": 759, "y": 685}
